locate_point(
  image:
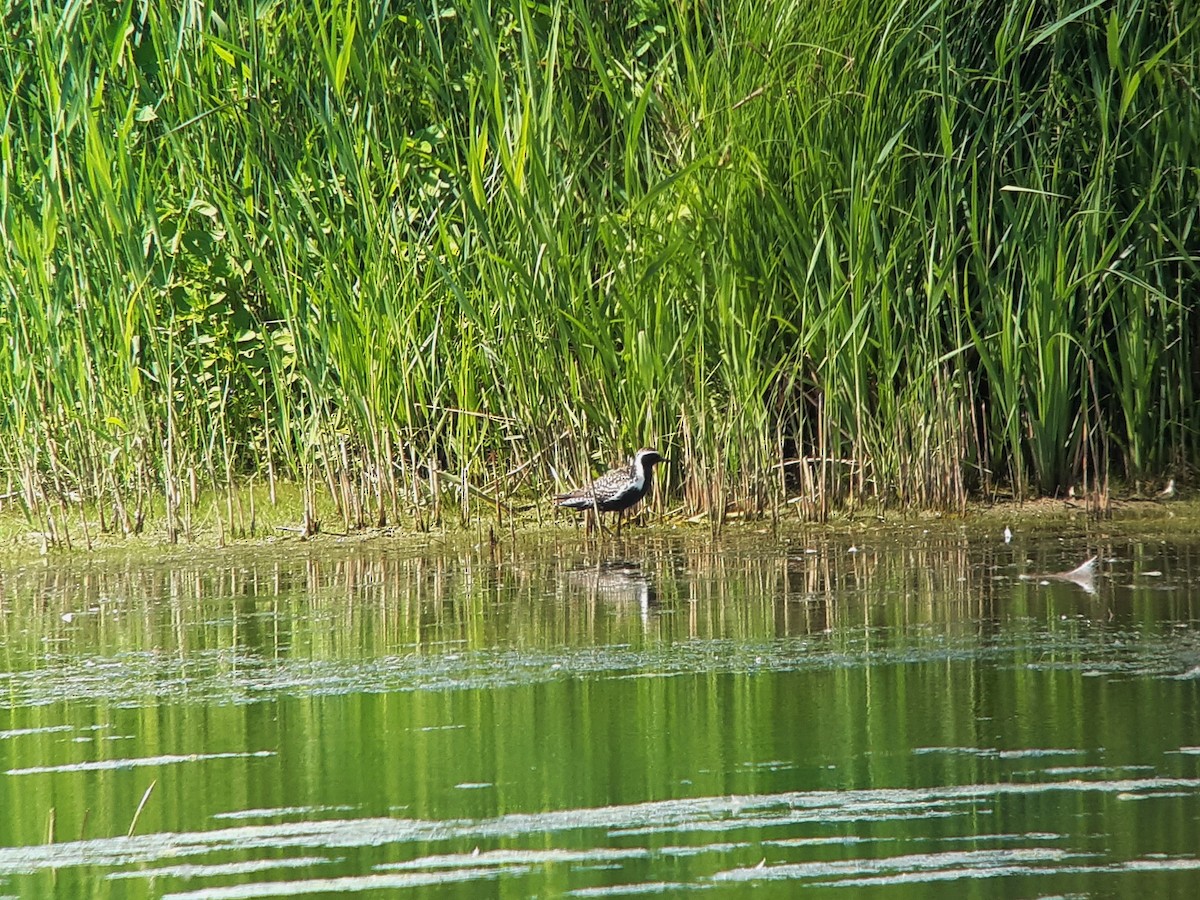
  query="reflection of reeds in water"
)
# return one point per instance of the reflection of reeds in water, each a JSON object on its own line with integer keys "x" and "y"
{"x": 831, "y": 581}
{"x": 369, "y": 602}
{"x": 619, "y": 583}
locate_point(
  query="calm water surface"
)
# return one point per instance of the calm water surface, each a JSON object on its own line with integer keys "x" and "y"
{"x": 876, "y": 712}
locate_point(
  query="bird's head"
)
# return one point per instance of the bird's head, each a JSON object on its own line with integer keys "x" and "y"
{"x": 647, "y": 457}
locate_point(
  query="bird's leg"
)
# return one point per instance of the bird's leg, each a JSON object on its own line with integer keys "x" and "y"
{"x": 620, "y": 516}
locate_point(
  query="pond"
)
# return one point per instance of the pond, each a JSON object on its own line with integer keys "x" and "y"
{"x": 897, "y": 712}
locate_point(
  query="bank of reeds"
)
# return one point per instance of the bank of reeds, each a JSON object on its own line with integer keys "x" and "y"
{"x": 429, "y": 261}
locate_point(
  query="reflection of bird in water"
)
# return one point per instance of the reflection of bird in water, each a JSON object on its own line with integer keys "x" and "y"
{"x": 616, "y": 581}
{"x": 616, "y": 490}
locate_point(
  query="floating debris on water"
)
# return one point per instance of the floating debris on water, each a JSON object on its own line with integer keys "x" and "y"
{"x": 1082, "y": 575}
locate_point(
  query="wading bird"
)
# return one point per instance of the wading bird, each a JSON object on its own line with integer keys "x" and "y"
{"x": 615, "y": 490}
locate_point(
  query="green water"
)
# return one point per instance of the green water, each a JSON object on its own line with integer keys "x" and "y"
{"x": 880, "y": 713}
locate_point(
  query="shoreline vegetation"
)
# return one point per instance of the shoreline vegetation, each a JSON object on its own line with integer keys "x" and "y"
{"x": 430, "y": 265}
{"x": 244, "y": 518}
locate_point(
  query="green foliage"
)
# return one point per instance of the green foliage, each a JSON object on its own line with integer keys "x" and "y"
{"x": 836, "y": 251}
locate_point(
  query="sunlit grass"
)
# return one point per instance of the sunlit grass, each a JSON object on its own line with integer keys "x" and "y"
{"x": 425, "y": 264}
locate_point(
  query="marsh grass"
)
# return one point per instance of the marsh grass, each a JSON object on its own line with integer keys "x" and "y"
{"x": 428, "y": 263}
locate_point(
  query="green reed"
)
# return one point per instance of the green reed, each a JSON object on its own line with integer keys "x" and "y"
{"x": 426, "y": 263}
